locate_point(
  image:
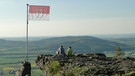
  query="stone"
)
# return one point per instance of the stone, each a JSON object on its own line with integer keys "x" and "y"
{"x": 97, "y": 63}
{"x": 25, "y": 69}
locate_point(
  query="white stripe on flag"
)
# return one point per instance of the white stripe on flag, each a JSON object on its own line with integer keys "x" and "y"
{"x": 42, "y": 17}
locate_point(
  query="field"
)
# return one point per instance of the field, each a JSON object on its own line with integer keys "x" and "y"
{"x": 10, "y": 62}
{"x": 12, "y": 53}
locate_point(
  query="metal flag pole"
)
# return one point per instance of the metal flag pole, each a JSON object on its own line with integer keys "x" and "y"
{"x": 27, "y": 34}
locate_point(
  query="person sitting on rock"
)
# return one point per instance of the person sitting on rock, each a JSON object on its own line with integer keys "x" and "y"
{"x": 69, "y": 51}
{"x": 61, "y": 51}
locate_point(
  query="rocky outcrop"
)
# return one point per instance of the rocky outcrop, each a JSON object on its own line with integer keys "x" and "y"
{"x": 25, "y": 69}
{"x": 96, "y": 63}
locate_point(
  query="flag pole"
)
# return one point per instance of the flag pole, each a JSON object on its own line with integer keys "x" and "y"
{"x": 27, "y": 34}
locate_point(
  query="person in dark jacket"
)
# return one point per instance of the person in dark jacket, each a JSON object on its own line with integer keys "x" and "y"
{"x": 61, "y": 50}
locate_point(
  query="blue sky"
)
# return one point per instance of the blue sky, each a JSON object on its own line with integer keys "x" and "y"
{"x": 69, "y": 17}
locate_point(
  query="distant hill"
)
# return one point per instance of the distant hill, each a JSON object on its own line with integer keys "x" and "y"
{"x": 80, "y": 44}
{"x": 6, "y": 45}
{"x": 24, "y": 38}
{"x": 130, "y": 35}
{"x": 127, "y": 41}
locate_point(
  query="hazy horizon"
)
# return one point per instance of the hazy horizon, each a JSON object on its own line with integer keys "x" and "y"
{"x": 69, "y": 18}
{"x": 94, "y": 35}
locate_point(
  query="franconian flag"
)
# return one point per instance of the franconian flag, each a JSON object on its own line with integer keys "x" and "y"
{"x": 39, "y": 12}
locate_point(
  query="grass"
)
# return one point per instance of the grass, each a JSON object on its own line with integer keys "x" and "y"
{"x": 10, "y": 61}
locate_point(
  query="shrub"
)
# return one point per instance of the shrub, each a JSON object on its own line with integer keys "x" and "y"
{"x": 130, "y": 74}
{"x": 53, "y": 67}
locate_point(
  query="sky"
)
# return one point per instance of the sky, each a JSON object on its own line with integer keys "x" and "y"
{"x": 69, "y": 18}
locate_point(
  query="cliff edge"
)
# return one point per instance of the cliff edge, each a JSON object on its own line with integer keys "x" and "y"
{"x": 95, "y": 64}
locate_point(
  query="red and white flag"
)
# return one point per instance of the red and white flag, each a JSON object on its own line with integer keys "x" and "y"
{"x": 39, "y": 12}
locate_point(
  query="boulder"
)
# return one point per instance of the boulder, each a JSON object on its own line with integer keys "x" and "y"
{"x": 97, "y": 63}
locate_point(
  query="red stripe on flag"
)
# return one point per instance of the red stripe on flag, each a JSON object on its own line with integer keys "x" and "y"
{"x": 39, "y": 9}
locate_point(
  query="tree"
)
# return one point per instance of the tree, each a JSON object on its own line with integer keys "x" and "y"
{"x": 119, "y": 52}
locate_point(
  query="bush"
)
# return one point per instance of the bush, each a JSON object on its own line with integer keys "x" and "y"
{"x": 130, "y": 74}
{"x": 54, "y": 67}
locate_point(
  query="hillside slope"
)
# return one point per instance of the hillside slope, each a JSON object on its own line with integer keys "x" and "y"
{"x": 81, "y": 44}
{"x": 127, "y": 41}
